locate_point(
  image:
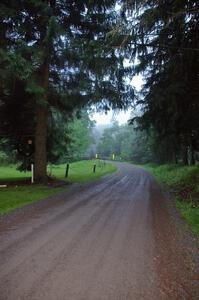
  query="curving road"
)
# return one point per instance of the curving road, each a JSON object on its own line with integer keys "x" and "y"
{"x": 115, "y": 239}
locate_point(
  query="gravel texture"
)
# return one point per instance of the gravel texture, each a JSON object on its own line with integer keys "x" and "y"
{"x": 117, "y": 238}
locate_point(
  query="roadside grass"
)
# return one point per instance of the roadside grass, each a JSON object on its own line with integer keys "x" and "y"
{"x": 173, "y": 175}
{"x": 9, "y": 173}
{"x": 82, "y": 171}
{"x": 183, "y": 181}
{"x": 13, "y": 197}
{"x": 190, "y": 214}
{"x": 16, "y": 197}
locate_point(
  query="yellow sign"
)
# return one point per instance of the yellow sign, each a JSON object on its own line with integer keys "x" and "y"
{"x": 113, "y": 156}
{"x": 96, "y": 155}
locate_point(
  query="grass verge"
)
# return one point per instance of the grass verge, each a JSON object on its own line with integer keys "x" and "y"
{"x": 14, "y": 197}
{"x": 10, "y": 173}
{"x": 183, "y": 182}
{"x": 82, "y": 171}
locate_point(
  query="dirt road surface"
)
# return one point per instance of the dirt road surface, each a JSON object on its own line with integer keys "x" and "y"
{"x": 118, "y": 238}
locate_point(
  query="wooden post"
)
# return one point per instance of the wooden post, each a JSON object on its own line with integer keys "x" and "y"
{"x": 94, "y": 168}
{"x": 32, "y": 173}
{"x": 67, "y": 170}
{"x": 51, "y": 170}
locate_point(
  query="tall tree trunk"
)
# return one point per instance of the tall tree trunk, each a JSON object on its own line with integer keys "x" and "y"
{"x": 40, "y": 170}
{"x": 192, "y": 155}
{"x": 175, "y": 157}
{"x": 185, "y": 156}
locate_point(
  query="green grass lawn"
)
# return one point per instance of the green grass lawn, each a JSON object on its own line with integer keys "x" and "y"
{"x": 17, "y": 196}
{"x": 82, "y": 171}
{"x": 9, "y": 173}
{"x": 183, "y": 181}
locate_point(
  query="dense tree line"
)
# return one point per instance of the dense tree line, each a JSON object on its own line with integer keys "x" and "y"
{"x": 130, "y": 143}
{"x": 165, "y": 40}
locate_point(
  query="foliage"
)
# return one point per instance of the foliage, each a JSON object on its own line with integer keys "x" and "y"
{"x": 174, "y": 175}
{"x": 3, "y": 158}
{"x": 69, "y": 139}
{"x": 80, "y": 137}
{"x": 164, "y": 41}
{"x": 183, "y": 182}
{"x": 190, "y": 214}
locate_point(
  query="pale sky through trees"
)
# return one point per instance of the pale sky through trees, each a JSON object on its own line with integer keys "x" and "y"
{"x": 122, "y": 116}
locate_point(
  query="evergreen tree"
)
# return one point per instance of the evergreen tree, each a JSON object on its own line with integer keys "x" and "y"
{"x": 56, "y": 50}
{"x": 164, "y": 38}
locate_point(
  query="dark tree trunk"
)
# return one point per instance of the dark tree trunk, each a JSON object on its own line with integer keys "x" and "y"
{"x": 40, "y": 145}
{"x": 40, "y": 170}
{"x": 185, "y": 156}
{"x": 192, "y": 156}
{"x": 175, "y": 158}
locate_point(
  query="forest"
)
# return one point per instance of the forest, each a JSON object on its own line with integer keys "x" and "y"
{"x": 60, "y": 58}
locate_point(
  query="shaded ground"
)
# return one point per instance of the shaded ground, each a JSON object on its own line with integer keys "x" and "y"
{"x": 117, "y": 238}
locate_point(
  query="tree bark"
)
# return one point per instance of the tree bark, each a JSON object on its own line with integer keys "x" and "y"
{"x": 185, "y": 156}
{"x": 40, "y": 169}
{"x": 40, "y": 174}
{"x": 175, "y": 157}
{"x": 192, "y": 156}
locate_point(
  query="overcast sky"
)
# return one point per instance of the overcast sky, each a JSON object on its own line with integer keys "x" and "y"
{"x": 122, "y": 117}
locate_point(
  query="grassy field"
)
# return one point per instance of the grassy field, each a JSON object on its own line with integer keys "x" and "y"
{"x": 17, "y": 196}
{"x": 82, "y": 171}
{"x": 9, "y": 173}
{"x": 183, "y": 181}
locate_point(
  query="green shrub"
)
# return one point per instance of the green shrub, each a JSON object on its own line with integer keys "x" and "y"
{"x": 4, "y": 160}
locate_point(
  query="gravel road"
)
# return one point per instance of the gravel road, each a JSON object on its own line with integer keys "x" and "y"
{"x": 117, "y": 238}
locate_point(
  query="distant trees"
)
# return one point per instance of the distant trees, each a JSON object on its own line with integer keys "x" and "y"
{"x": 127, "y": 143}
{"x": 109, "y": 143}
{"x": 54, "y": 55}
